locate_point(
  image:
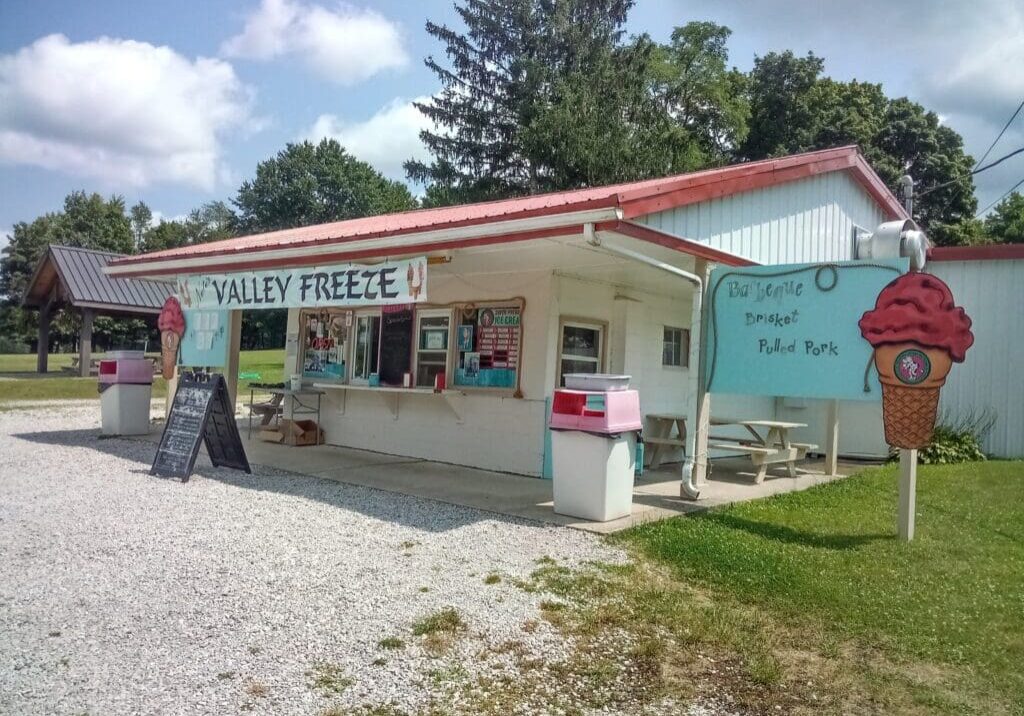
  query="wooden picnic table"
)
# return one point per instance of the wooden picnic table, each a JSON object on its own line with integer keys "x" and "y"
{"x": 659, "y": 434}
{"x": 768, "y": 444}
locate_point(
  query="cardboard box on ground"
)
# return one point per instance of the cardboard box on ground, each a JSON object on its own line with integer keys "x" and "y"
{"x": 293, "y": 432}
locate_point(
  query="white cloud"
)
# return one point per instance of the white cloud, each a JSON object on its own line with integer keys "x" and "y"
{"x": 5, "y": 235}
{"x": 385, "y": 140}
{"x": 976, "y": 83}
{"x": 122, "y": 111}
{"x": 346, "y": 45}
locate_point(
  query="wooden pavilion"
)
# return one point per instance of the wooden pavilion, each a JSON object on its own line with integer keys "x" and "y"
{"x": 72, "y": 277}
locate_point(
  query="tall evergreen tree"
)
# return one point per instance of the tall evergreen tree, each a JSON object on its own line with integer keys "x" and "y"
{"x": 539, "y": 95}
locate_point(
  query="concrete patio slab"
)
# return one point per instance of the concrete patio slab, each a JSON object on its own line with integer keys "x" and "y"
{"x": 655, "y": 495}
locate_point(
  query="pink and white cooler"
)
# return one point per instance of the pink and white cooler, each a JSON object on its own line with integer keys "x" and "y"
{"x": 126, "y": 386}
{"x": 593, "y": 452}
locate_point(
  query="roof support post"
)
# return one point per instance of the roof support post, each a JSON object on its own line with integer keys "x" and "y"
{"x": 697, "y": 364}
{"x": 85, "y": 344}
{"x": 234, "y": 346}
{"x": 43, "y": 347}
{"x": 695, "y": 460}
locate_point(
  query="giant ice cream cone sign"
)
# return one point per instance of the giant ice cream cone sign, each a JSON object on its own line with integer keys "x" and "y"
{"x": 172, "y": 327}
{"x": 917, "y": 333}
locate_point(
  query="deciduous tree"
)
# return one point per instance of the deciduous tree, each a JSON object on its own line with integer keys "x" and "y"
{"x": 313, "y": 184}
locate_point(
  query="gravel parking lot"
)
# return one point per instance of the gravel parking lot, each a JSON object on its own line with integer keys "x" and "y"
{"x": 124, "y": 593}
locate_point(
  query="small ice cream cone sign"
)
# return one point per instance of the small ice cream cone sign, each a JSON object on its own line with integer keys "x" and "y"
{"x": 918, "y": 333}
{"x": 171, "y": 324}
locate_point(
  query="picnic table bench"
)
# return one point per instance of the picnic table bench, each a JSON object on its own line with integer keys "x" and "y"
{"x": 771, "y": 448}
{"x": 660, "y": 435}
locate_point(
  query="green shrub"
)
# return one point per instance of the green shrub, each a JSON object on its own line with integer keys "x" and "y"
{"x": 9, "y": 345}
{"x": 949, "y": 446}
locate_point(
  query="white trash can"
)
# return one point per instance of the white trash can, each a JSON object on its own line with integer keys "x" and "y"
{"x": 125, "y": 409}
{"x": 593, "y": 449}
{"x": 126, "y": 388}
{"x": 593, "y": 474}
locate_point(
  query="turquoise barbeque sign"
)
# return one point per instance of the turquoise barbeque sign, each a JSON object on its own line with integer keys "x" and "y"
{"x": 792, "y": 330}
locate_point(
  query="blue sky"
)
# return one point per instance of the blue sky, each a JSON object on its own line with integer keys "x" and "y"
{"x": 175, "y": 103}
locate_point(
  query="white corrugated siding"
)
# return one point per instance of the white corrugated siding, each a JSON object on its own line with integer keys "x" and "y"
{"x": 798, "y": 222}
{"x": 992, "y": 293}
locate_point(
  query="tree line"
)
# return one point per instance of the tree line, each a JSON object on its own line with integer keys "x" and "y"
{"x": 540, "y": 96}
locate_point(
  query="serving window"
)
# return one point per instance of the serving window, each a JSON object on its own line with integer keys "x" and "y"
{"x": 488, "y": 343}
{"x": 472, "y": 345}
{"x": 366, "y": 346}
{"x": 324, "y": 343}
{"x": 432, "y": 330}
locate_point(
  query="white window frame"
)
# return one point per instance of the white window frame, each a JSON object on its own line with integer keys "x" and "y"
{"x": 589, "y": 324}
{"x": 684, "y": 347}
{"x": 372, "y": 313}
{"x": 432, "y": 313}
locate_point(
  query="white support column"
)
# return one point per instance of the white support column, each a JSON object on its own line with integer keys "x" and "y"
{"x": 908, "y": 495}
{"x": 700, "y": 447}
{"x": 234, "y": 346}
{"x": 832, "y": 439}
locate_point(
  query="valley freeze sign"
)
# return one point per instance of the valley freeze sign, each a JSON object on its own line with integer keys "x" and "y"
{"x": 389, "y": 283}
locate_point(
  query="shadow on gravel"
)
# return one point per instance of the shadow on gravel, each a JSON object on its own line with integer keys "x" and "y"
{"x": 410, "y": 511}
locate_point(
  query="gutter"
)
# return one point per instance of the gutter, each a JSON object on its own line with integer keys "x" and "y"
{"x": 688, "y": 488}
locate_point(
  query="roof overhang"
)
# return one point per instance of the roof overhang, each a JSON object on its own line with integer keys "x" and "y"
{"x": 503, "y": 221}
{"x": 371, "y": 248}
{"x": 418, "y": 244}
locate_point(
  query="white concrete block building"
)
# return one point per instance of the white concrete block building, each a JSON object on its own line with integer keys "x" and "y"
{"x": 520, "y": 291}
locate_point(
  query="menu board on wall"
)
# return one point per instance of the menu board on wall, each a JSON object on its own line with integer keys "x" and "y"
{"x": 395, "y": 344}
{"x": 489, "y": 355}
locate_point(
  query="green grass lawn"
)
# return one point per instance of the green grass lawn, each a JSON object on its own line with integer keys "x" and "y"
{"x": 826, "y": 561}
{"x": 61, "y": 386}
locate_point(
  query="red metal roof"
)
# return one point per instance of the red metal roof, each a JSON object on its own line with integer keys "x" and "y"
{"x": 631, "y": 199}
{"x": 987, "y": 252}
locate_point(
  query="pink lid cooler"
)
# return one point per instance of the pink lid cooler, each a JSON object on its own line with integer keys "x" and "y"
{"x": 125, "y": 383}
{"x": 604, "y": 412}
{"x": 125, "y": 367}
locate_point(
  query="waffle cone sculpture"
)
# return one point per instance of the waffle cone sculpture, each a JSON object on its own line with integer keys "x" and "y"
{"x": 918, "y": 333}
{"x": 172, "y": 327}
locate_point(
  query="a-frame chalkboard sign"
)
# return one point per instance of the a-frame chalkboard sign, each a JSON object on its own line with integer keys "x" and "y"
{"x": 201, "y": 411}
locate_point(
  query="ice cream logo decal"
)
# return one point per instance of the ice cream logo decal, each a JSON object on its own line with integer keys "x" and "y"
{"x": 917, "y": 333}
{"x": 171, "y": 324}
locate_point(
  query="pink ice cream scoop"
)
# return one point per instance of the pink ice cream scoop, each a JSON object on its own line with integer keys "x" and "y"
{"x": 172, "y": 327}
{"x": 917, "y": 333}
{"x": 918, "y": 308}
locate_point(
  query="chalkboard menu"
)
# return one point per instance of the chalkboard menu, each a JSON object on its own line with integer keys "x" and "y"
{"x": 201, "y": 411}
{"x": 395, "y": 344}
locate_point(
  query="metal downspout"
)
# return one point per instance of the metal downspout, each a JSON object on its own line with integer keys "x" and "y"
{"x": 689, "y": 486}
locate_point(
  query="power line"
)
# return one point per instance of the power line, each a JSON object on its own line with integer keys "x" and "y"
{"x": 1001, "y": 132}
{"x": 972, "y": 173}
{"x": 1008, "y": 192}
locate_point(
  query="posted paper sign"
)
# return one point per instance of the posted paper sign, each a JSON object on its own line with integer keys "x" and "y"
{"x": 792, "y": 330}
{"x": 205, "y": 343}
{"x": 390, "y": 283}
